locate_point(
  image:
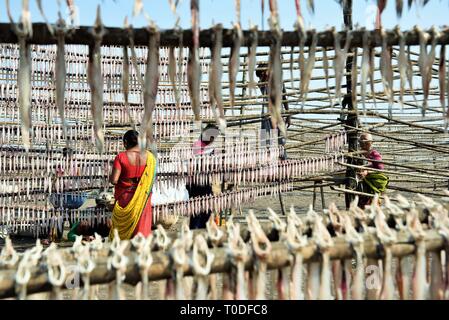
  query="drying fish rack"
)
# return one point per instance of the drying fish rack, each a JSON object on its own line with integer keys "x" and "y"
{"x": 237, "y": 249}
{"x": 415, "y": 148}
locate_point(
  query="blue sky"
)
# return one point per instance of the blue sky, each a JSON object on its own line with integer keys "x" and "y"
{"x": 328, "y": 13}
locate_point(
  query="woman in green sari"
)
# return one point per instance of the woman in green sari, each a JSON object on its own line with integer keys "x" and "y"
{"x": 374, "y": 182}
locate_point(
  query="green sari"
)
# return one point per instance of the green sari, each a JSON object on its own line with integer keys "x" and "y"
{"x": 377, "y": 182}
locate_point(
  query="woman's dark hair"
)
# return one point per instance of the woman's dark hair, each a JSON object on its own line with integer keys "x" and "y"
{"x": 209, "y": 133}
{"x": 262, "y": 69}
{"x": 67, "y": 152}
{"x": 131, "y": 138}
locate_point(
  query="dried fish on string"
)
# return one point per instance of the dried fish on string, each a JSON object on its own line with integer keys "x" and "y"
{"x": 399, "y": 8}
{"x": 193, "y": 67}
{"x": 41, "y": 10}
{"x": 386, "y": 70}
{"x": 365, "y": 68}
{"x": 419, "y": 284}
{"x": 311, "y": 6}
{"x": 252, "y": 84}
{"x": 234, "y": 60}
{"x": 95, "y": 78}
{"x": 24, "y": 72}
{"x": 402, "y": 60}
{"x": 372, "y": 54}
{"x": 387, "y": 237}
{"x": 61, "y": 71}
{"x": 425, "y": 62}
{"x": 150, "y": 91}
{"x": 326, "y": 75}
{"x": 309, "y": 67}
{"x": 300, "y": 28}
{"x": 340, "y": 60}
{"x": 275, "y": 73}
{"x": 215, "y": 78}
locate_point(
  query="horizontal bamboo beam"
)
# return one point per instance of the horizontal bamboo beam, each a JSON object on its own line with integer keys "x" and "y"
{"x": 279, "y": 257}
{"x": 120, "y": 37}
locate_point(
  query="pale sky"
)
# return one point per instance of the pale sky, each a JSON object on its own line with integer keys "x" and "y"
{"x": 327, "y": 13}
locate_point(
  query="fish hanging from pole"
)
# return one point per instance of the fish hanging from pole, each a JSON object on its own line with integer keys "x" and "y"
{"x": 234, "y": 60}
{"x": 252, "y": 84}
{"x": 24, "y": 72}
{"x": 215, "y": 78}
{"x": 300, "y": 28}
{"x": 125, "y": 81}
{"x": 386, "y": 70}
{"x": 365, "y": 68}
{"x": 173, "y": 68}
{"x": 72, "y": 8}
{"x": 151, "y": 83}
{"x": 399, "y": 8}
{"x": 193, "y": 67}
{"x": 275, "y": 72}
{"x": 61, "y": 75}
{"x": 340, "y": 60}
{"x": 95, "y": 79}
{"x": 41, "y": 10}
{"x": 381, "y": 4}
{"x": 309, "y": 68}
{"x": 402, "y": 60}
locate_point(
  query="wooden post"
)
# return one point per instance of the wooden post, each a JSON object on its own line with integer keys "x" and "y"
{"x": 352, "y": 118}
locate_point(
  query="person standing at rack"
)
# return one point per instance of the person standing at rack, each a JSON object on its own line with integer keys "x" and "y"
{"x": 373, "y": 182}
{"x": 133, "y": 175}
{"x": 262, "y": 73}
{"x": 203, "y": 146}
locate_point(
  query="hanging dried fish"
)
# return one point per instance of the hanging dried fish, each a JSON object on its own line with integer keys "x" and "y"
{"x": 381, "y": 4}
{"x": 425, "y": 62}
{"x": 387, "y": 237}
{"x": 326, "y": 75}
{"x": 402, "y": 60}
{"x": 324, "y": 242}
{"x": 95, "y": 78}
{"x": 311, "y": 6}
{"x": 193, "y": 67}
{"x": 340, "y": 60}
{"x": 399, "y": 8}
{"x": 372, "y": 54}
{"x": 252, "y": 84}
{"x": 138, "y": 7}
{"x": 61, "y": 75}
{"x": 309, "y": 67}
{"x": 73, "y": 13}
{"x": 365, "y": 67}
{"x": 300, "y": 28}
{"x": 151, "y": 83}
{"x": 419, "y": 284}
{"x": 275, "y": 73}
{"x": 24, "y": 72}
{"x": 41, "y": 10}
{"x": 386, "y": 70}
{"x": 234, "y": 62}
{"x": 215, "y": 78}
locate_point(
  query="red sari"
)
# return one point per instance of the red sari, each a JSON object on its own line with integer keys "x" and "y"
{"x": 124, "y": 191}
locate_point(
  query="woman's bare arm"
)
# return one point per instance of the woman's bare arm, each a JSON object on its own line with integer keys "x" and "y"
{"x": 115, "y": 174}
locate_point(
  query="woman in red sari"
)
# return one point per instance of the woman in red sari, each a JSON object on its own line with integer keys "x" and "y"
{"x": 133, "y": 174}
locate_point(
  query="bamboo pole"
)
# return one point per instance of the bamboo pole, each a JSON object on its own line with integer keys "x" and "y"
{"x": 170, "y": 38}
{"x": 161, "y": 268}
